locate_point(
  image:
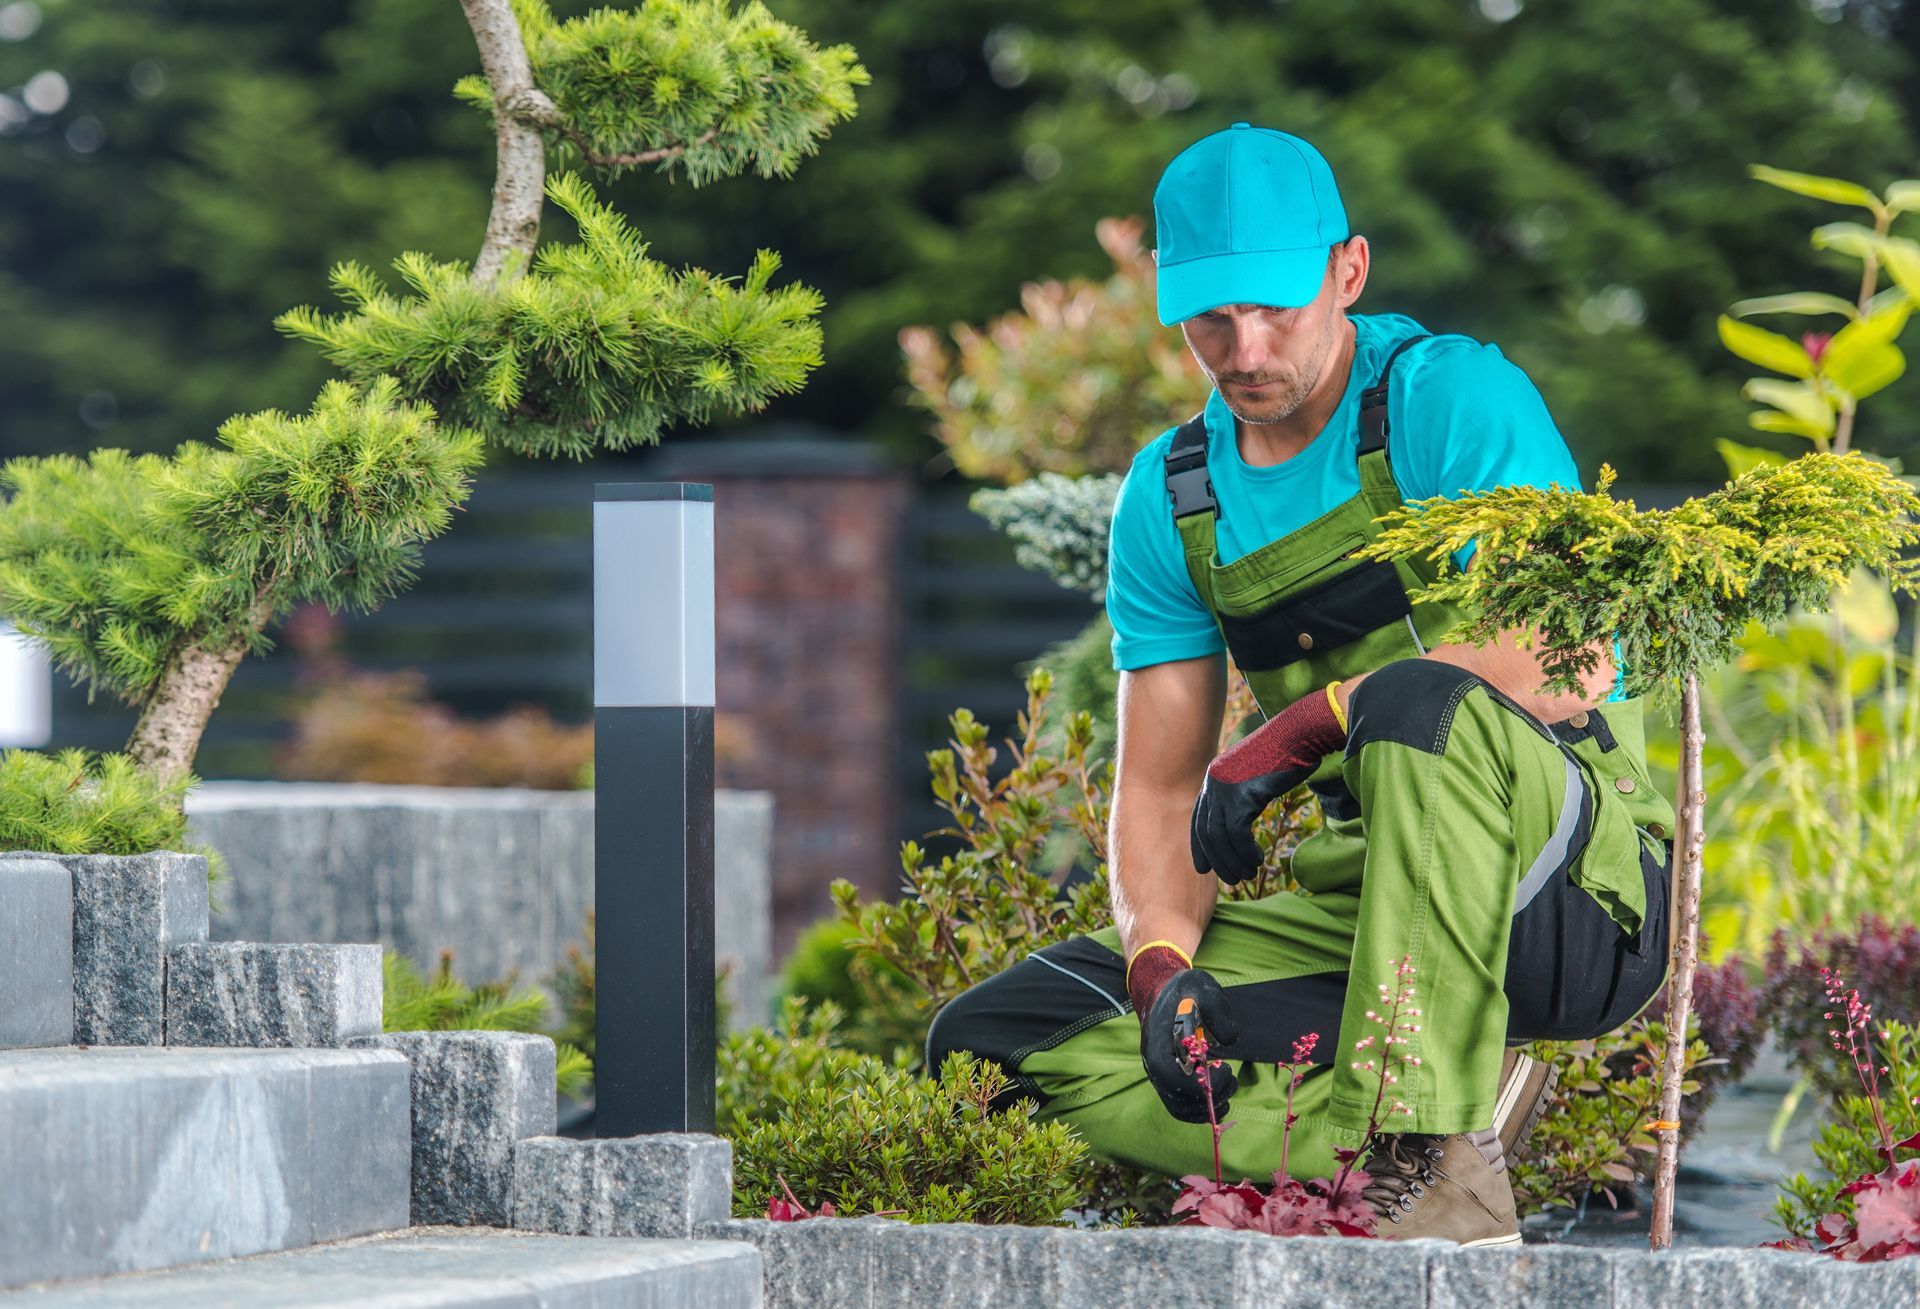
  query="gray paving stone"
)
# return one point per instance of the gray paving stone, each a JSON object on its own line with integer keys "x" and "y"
{"x": 128, "y": 910}
{"x": 1743, "y": 1278}
{"x": 476, "y": 1095}
{"x": 1542, "y": 1276}
{"x": 1333, "y": 1272}
{"x": 248, "y": 994}
{"x": 815, "y": 1262}
{"x": 36, "y": 953}
{"x": 442, "y": 1269}
{"x": 117, "y": 1160}
{"x": 1147, "y": 1266}
{"x": 665, "y": 1184}
{"x": 964, "y": 1265}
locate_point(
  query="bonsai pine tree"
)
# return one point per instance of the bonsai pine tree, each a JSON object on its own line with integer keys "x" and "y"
{"x": 153, "y": 576}
{"x": 1676, "y": 588}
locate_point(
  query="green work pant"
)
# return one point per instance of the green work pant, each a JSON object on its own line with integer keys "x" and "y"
{"x": 1501, "y": 857}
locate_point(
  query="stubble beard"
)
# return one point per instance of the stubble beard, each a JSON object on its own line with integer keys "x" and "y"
{"x": 1279, "y": 407}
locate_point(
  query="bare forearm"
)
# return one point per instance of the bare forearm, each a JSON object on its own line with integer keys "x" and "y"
{"x": 1156, "y": 894}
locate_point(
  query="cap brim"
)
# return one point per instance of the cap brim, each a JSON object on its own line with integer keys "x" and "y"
{"x": 1284, "y": 278}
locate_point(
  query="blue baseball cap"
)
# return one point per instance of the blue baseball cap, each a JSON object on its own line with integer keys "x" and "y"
{"x": 1244, "y": 216}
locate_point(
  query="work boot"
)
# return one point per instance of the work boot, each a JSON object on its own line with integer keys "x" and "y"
{"x": 1526, "y": 1085}
{"x": 1445, "y": 1188}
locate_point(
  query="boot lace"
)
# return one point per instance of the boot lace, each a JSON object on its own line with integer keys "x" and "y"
{"x": 1401, "y": 1170}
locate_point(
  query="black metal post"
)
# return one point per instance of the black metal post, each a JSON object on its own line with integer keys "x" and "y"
{"x": 653, "y": 808}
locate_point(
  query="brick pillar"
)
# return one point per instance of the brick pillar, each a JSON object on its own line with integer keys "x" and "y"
{"x": 808, "y": 646}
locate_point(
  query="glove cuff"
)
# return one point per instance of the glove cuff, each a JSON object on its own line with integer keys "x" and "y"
{"x": 1151, "y": 967}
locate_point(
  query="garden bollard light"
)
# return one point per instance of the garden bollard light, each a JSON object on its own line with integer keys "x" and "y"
{"x": 26, "y": 690}
{"x": 653, "y": 698}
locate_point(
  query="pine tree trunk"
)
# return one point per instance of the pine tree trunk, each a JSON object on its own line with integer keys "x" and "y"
{"x": 1685, "y": 919}
{"x": 520, "y": 110}
{"x": 184, "y": 697}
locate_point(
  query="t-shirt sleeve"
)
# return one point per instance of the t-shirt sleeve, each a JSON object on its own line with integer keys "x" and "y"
{"x": 1156, "y": 614}
{"x": 1480, "y": 424}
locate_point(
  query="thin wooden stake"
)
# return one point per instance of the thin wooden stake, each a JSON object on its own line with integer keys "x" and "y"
{"x": 1684, "y": 918}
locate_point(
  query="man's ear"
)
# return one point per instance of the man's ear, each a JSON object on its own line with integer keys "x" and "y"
{"x": 1354, "y": 262}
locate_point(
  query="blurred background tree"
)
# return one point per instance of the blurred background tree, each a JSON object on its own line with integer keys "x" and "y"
{"x": 1566, "y": 180}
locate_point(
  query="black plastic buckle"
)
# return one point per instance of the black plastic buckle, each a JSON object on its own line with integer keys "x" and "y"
{"x": 1189, "y": 485}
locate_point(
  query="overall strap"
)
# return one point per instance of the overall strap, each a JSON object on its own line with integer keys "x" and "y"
{"x": 1373, "y": 403}
{"x": 1188, "y": 485}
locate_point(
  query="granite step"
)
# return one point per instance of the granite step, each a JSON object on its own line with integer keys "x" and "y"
{"x": 441, "y": 1268}
{"x": 125, "y": 1159}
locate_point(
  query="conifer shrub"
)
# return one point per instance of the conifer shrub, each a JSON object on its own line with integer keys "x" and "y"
{"x": 869, "y": 1136}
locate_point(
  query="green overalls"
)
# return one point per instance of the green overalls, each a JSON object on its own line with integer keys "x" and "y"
{"x": 1522, "y": 868}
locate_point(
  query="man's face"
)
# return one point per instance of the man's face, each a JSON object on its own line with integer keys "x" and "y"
{"x": 1266, "y": 360}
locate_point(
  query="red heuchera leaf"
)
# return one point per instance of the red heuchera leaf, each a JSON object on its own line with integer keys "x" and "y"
{"x": 1834, "y": 1230}
{"x": 1289, "y": 1208}
{"x": 1346, "y": 1205}
{"x": 1797, "y": 1244}
{"x": 781, "y": 1211}
{"x": 1234, "y": 1207}
{"x": 1888, "y": 1214}
{"x": 1911, "y": 1143}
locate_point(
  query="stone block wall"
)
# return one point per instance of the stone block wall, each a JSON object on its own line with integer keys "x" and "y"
{"x": 503, "y": 878}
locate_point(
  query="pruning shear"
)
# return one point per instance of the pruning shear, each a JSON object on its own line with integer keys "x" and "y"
{"x": 1186, "y": 1023}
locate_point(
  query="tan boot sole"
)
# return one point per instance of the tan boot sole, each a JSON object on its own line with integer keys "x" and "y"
{"x": 1526, "y": 1085}
{"x": 1511, "y": 1238}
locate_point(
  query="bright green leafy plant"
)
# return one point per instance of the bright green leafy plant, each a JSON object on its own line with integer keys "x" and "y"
{"x": 1676, "y": 588}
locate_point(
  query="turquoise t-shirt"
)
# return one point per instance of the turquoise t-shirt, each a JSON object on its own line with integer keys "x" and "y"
{"x": 1464, "y": 419}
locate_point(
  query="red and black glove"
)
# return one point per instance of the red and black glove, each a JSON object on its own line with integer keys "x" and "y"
{"x": 1258, "y": 770}
{"x": 1176, "y": 1000}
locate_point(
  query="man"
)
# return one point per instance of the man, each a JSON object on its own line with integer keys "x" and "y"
{"x": 1521, "y": 868}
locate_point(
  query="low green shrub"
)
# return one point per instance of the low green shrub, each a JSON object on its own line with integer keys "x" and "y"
{"x": 1593, "y": 1138}
{"x": 870, "y": 1136}
{"x": 415, "y": 1001}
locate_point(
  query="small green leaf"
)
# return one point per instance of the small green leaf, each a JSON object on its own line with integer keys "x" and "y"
{"x": 1863, "y": 373}
{"x": 1742, "y": 459}
{"x": 1794, "y": 302}
{"x": 1847, "y": 238}
{"x": 1901, "y": 256}
{"x": 1803, "y": 400}
{"x": 1903, "y": 197}
{"x": 1831, "y": 189}
{"x": 1767, "y": 349}
{"x": 1772, "y": 420}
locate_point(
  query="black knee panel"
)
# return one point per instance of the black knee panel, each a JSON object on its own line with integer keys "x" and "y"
{"x": 1034, "y": 1005}
{"x": 1409, "y": 701}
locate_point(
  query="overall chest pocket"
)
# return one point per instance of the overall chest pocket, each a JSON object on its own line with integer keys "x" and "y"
{"x": 1325, "y": 616}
